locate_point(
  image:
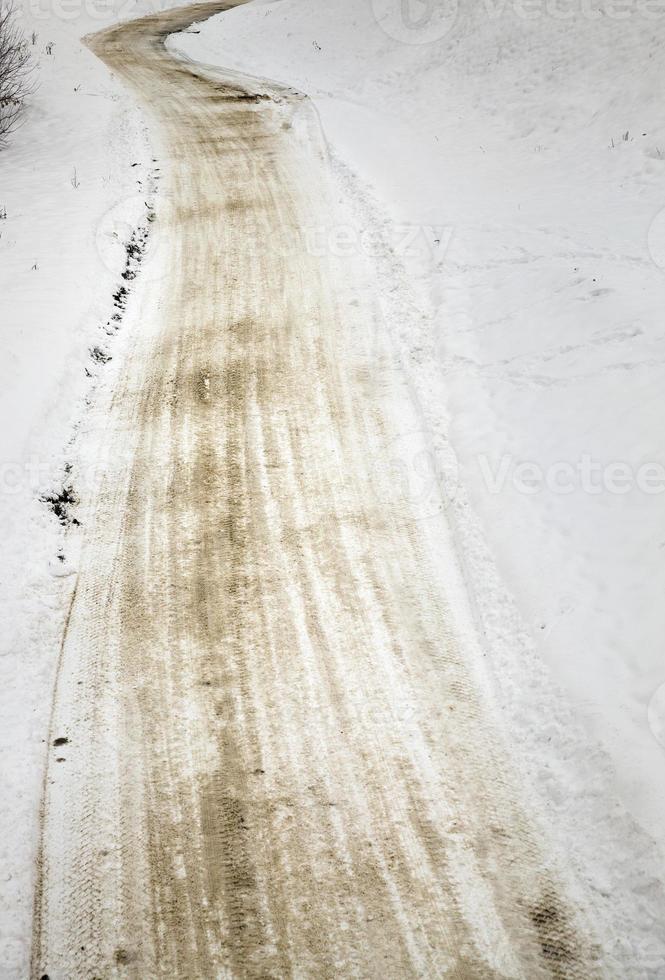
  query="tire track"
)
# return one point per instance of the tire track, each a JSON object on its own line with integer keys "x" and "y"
{"x": 281, "y": 762}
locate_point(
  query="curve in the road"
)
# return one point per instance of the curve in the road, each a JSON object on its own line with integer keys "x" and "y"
{"x": 280, "y": 761}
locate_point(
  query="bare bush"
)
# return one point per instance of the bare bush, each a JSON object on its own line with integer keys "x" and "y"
{"x": 15, "y": 69}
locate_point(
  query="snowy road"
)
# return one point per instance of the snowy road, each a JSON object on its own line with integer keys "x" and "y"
{"x": 272, "y": 755}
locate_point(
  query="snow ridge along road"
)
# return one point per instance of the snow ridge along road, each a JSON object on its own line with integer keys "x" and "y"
{"x": 271, "y": 752}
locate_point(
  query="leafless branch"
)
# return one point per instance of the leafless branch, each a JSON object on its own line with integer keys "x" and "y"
{"x": 15, "y": 70}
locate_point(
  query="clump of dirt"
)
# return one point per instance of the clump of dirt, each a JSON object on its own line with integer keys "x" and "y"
{"x": 134, "y": 250}
{"x": 61, "y": 504}
{"x": 99, "y": 355}
{"x": 134, "y": 254}
{"x": 120, "y": 296}
{"x": 227, "y": 95}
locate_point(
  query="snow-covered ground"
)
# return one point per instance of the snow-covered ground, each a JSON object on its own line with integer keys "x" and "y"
{"x": 504, "y": 161}
{"x": 73, "y": 185}
{"x": 519, "y": 151}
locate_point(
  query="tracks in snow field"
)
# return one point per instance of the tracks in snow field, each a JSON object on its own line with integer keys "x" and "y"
{"x": 279, "y": 762}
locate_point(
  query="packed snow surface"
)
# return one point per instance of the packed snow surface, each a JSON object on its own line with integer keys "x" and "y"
{"x": 512, "y": 157}
{"x": 504, "y": 162}
{"x": 524, "y": 144}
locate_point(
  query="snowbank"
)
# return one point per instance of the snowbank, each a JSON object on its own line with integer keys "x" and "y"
{"x": 73, "y": 182}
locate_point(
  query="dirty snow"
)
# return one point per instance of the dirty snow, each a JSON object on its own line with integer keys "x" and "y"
{"x": 72, "y": 196}
{"x": 504, "y": 166}
{"x": 506, "y": 161}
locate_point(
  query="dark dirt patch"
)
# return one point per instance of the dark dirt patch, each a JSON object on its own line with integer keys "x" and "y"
{"x": 99, "y": 355}
{"x": 135, "y": 251}
{"x": 61, "y": 504}
{"x": 554, "y": 933}
{"x": 120, "y": 296}
{"x": 240, "y": 97}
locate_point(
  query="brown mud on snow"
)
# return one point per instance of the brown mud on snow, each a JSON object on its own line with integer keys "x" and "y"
{"x": 279, "y": 764}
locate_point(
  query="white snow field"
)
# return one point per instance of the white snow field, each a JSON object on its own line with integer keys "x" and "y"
{"x": 503, "y": 168}
{"x": 506, "y": 162}
{"x": 532, "y": 136}
{"x": 68, "y": 187}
